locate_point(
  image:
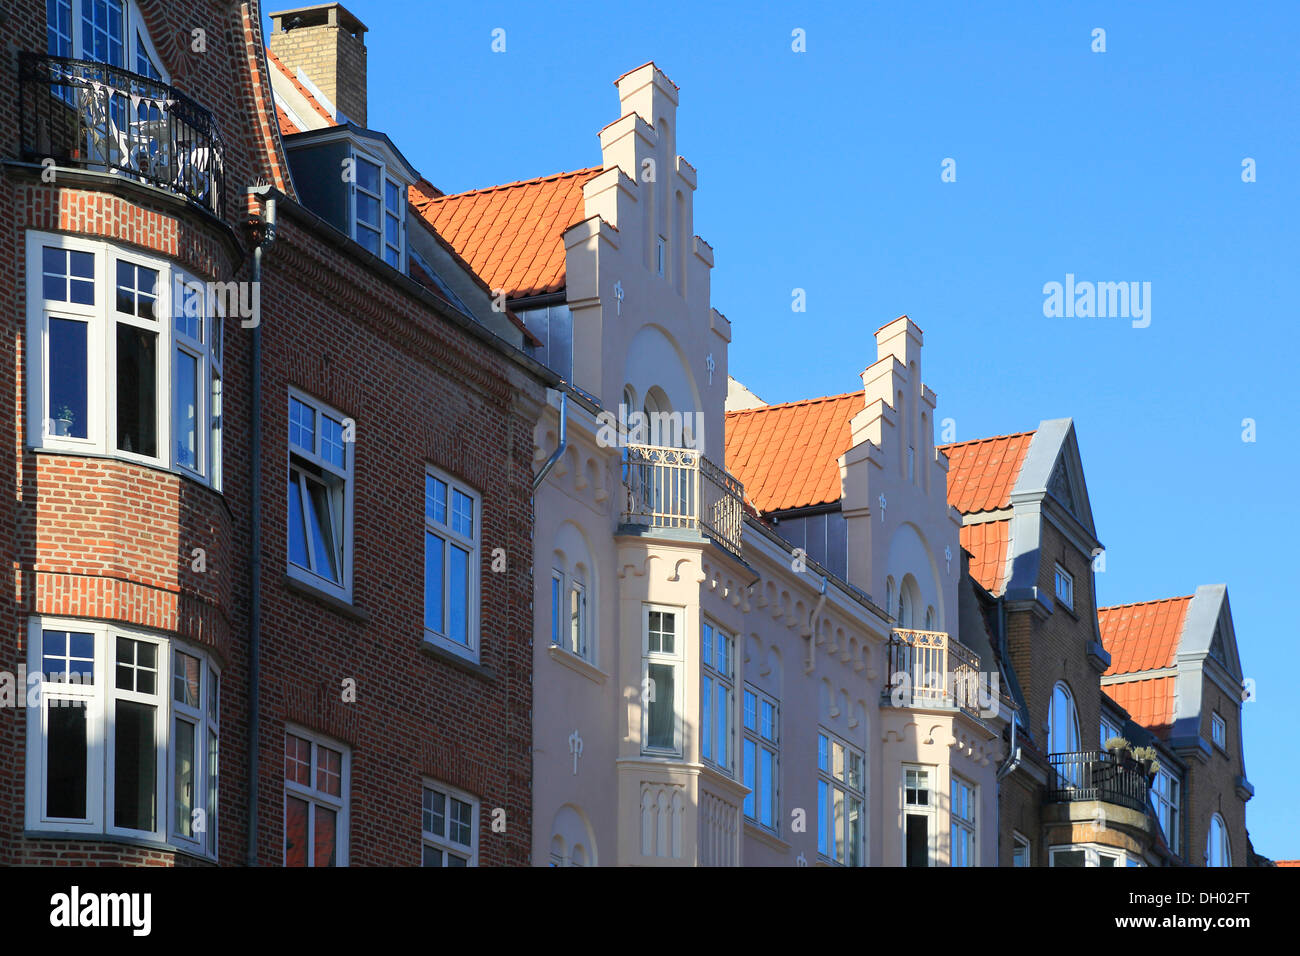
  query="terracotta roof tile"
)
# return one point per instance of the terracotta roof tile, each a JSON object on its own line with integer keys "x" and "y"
{"x": 1149, "y": 702}
{"x": 1287, "y": 862}
{"x": 982, "y": 473}
{"x": 787, "y": 455}
{"x": 511, "y": 235}
{"x": 987, "y": 544}
{"x": 1143, "y": 636}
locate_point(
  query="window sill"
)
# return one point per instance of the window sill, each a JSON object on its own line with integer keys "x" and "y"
{"x": 430, "y": 649}
{"x": 1066, "y": 608}
{"x": 303, "y": 589}
{"x": 765, "y": 836}
{"x": 577, "y": 664}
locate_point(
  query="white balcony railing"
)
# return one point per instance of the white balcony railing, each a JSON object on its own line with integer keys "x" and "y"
{"x": 680, "y": 488}
{"x": 932, "y": 669}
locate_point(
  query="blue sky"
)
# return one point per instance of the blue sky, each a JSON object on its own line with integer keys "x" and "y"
{"x": 821, "y": 170}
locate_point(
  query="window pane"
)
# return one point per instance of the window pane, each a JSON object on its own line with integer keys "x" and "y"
{"x": 369, "y": 239}
{"x": 67, "y": 372}
{"x": 326, "y": 837}
{"x": 660, "y": 730}
{"x": 435, "y": 813}
{"x": 137, "y": 666}
{"x": 392, "y": 257}
{"x": 135, "y": 766}
{"x": 184, "y": 778}
{"x": 392, "y": 196}
{"x": 722, "y": 726}
{"x": 768, "y": 726}
{"x": 295, "y": 831}
{"x": 302, "y": 425}
{"x": 137, "y": 390}
{"x": 432, "y": 857}
{"x": 854, "y": 832}
{"x": 555, "y": 610}
{"x": 367, "y": 176}
{"x": 392, "y": 231}
{"x": 65, "y": 759}
{"x": 186, "y": 413}
{"x": 210, "y": 814}
{"x": 329, "y": 773}
{"x": 66, "y": 654}
{"x": 454, "y": 860}
{"x": 459, "y": 826}
{"x": 297, "y": 760}
{"x": 367, "y": 212}
{"x": 188, "y": 308}
{"x": 137, "y": 290}
{"x": 214, "y": 431}
{"x": 749, "y": 759}
{"x": 462, "y": 514}
{"x": 706, "y": 718}
{"x": 458, "y": 597}
{"x": 767, "y": 775}
{"x": 297, "y": 526}
{"x": 750, "y": 702}
{"x": 823, "y": 820}
{"x": 433, "y": 581}
{"x": 331, "y": 441}
{"x": 186, "y": 676}
{"x": 323, "y": 533}
{"x": 706, "y": 645}
{"x": 435, "y": 500}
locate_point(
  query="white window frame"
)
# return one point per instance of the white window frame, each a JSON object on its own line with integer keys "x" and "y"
{"x": 315, "y": 797}
{"x": 1107, "y": 731}
{"x": 340, "y": 496}
{"x": 133, "y": 26}
{"x": 359, "y": 156}
{"x": 443, "y": 843}
{"x": 754, "y": 735}
{"x": 1218, "y": 731}
{"x": 100, "y": 697}
{"x": 1021, "y": 849}
{"x": 676, "y": 660}
{"x": 927, "y": 810}
{"x": 557, "y": 608}
{"x": 826, "y": 809}
{"x": 1053, "y": 718}
{"x": 1165, "y": 800}
{"x": 714, "y": 678}
{"x": 958, "y": 824}
{"x": 450, "y": 538}
{"x": 101, "y": 319}
{"x": 1064, "y": 587}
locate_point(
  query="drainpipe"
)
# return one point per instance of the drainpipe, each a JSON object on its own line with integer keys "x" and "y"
{"x": 810, "y": 663}
{"x": 559, "y": 449}
{"x": 255, "y": 519}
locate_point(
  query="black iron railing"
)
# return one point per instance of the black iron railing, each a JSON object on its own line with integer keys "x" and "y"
{"x": 95, "y": 116}
{"x": 1097, "y": 775}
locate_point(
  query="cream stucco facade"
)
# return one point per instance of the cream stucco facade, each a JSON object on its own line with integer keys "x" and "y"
{"x": 686, "y": 656}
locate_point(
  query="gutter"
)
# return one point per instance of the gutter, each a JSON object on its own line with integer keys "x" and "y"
{"x": 559, "y": 449}
{"x": 255, "y": 520}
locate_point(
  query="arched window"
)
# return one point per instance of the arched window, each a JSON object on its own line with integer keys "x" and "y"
{"x": 1217, "y": 849}
{"x": 1062, "y": 722}
{"x": 905, "y": 614}
{"x": 929, "y": 619}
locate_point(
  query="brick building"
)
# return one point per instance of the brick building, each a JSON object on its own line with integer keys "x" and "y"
{"x": 332, "y": 669}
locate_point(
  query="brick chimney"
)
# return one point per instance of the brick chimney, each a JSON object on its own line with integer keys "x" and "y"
{"x": 327, "y": 43}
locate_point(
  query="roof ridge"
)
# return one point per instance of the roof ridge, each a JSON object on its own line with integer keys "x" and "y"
{"x": 1120, "y": 607}
{"x": 796, "y": 404}
{"x": 307, "y": 94}
{"x": 551, "y": 177}
{"x": 976, "y": 441}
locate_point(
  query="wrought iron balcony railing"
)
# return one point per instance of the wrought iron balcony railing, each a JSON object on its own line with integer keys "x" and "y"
{"x": 933, "y": 669}
{"x": 680, "y": 488}
{"x": 1097, "y": 775}
{"x": 99, "y": 117}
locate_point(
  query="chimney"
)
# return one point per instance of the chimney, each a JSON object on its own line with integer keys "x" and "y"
{"x": 327, "y": 43}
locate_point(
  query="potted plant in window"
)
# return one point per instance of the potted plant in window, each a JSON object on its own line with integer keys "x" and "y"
{"x": 1147, "y": 757}
{"x": 63, "y": 419}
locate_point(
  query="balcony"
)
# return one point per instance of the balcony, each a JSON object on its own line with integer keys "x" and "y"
{"x": 933, "y": 669}
{"x": 678, "y": 488}
{"x": 1097, "y": 775}
{"x": 98, "y": 117}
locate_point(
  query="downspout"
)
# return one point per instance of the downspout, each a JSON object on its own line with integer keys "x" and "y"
{"x": 810, "y": 663}
{"x": 255, "y": 518}
{"x": 559, "y": 449}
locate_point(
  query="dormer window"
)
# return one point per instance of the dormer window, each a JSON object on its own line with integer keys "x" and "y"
{"x": 378, "y": 211}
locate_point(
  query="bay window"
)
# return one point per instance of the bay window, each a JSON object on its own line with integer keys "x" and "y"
{"x": 319, "y": 496}
{"x": 124, "y": 357}
{"x": 661, "y": 662}
{"x": 1165, "y": 801}
{"x": 451, "y": 564}
{"x": 841, "y": 801}
{"x": 118, "y": 734}
{"x": 717, "y": 696}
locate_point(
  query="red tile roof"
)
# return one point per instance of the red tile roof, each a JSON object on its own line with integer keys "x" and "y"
{"x": 982, "y": 473}
{"x": 511, "y": 235}
{"x": 987, "y": 543}
{"x": 1149, "y": 702}
{"x": 1287, "y": 862}
{"x": 1143, "y": 636}
{"x": 787, "y": 455}
{"x": 311, "y": 99}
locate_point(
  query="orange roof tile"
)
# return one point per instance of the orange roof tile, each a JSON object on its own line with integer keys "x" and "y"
{"x": 981, "y": 473}
{"x": 786, "y": 455}
{"x": 286, "y": 125}
{"x": 987, "y": 544}
{"x": 1149, "y": 702}
{"x": 1287, "y": 862}
{"x": 293, "y": 78}
{"x": 511, "y": 235}
{"x": 1143, "y": 636}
